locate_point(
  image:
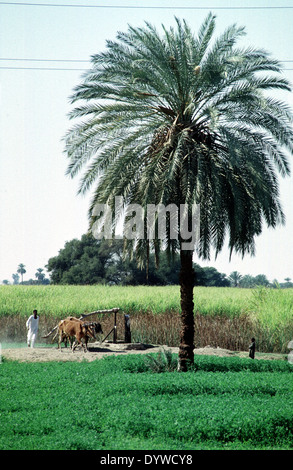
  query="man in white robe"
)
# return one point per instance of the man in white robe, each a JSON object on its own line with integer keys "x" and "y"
{"x": 32, "y": 326}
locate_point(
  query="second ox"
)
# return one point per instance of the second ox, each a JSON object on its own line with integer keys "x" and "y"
{"x": 72, "y": 327}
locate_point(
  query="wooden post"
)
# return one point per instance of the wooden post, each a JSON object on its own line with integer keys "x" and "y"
{"x": 127, "y": 337}
{"x": 115, "y": 326}
{"x": 252, "y": 349}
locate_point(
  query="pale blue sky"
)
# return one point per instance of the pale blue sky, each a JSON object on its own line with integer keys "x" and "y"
{"x": 39, "y": 209}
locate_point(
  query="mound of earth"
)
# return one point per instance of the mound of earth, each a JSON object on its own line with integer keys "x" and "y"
{"x": 43, "y": 353}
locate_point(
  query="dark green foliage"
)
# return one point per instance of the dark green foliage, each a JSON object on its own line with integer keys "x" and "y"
{"x": 101, "y": 405}
{"x": 164, "y": 362}
{"x": 91, "y": 261}
{"x": 215, "y": 364}
{"x": 209, "y": 276}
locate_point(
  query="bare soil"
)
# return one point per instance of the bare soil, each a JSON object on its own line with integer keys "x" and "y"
{"x": 43, "y": 353}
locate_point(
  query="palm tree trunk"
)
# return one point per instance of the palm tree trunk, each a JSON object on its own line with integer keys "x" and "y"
{"x": 186, "y": 347}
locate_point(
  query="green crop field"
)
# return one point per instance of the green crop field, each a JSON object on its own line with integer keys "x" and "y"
{"x": 118, "y": 403}
{"x": 225, "y": 317}
{"x": 63, "y": 300}
{"x": 273, "y": 306}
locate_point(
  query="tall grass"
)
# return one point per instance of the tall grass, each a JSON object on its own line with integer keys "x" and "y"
{"x": 63, "y": 300}
{"x": 215, "y": 331}
{"x": 66, "y": 300}
{"x": 272, "y": 307}
{"x": 224, "y": 317}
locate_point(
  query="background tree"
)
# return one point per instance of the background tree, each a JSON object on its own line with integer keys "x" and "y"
{"x": 288, "y": 283}
{"x": 247, "y": 281}
{"x": 261, "y": 280}
{"x": 184, "y": 119}
{"x": 15, "y": 278}
{"x": 91, "y": 261}
{"x": 209, "y": 276}
{"x": 79, "y": 262}
{"x": 40, "y": 275}
{"x": 235, "y": 278}
{"x": 21, "y": 270}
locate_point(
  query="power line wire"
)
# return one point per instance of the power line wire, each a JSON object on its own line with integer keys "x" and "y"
{"x": 27, "y": 59}
{"x": 17, "y": 67}
{"x": 66, "y": 69}
{"x": 156, "y": 7}
{"x": 14, "y": 67}
{"x": 41, "y": 68}
{"x": 44, "y": 60}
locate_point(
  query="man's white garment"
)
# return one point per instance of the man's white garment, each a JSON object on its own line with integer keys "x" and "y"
{"x": 32, "y": 325}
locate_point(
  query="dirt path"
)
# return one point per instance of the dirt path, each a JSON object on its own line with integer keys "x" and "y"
{"x": 97, "y": 351}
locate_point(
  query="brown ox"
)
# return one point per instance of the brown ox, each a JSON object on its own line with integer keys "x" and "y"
{"x": 73, "y": 327}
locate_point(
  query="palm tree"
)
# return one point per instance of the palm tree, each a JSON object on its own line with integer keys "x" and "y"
{"x": 40, "y": 275}
{"x": 235, "y": 278}
{"x": 21, "y": 270}
{"x": 184, "y": 119}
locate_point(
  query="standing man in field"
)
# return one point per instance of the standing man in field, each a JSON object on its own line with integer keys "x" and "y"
{"x": 32, "y": 326}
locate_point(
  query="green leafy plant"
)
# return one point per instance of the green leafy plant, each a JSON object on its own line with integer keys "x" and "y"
{"x": 164, "y": 362}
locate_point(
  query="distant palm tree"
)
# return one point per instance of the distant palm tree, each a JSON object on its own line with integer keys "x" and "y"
{"x": 184, "y": 119}
{"x": 235, "y": 278}
{"x": 40, "y": 275}
{"x": 21, "y": 270}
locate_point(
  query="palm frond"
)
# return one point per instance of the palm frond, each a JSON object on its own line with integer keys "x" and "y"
{"x": 178, "y": 118}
